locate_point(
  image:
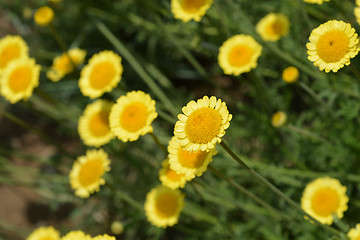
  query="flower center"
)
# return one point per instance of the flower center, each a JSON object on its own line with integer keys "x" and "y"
{"x": 134, "y": 116}
{"x": 166, "y": 205}
{"x": 240, "y": 55}
{"x": 20, "y": 79}
{"x": 274, "y": 28}
{"x": 172, "y": 175}
{"x": 325, "y": 201}
{"x": 99, "y": 124}
{"x": 192, "y": 6}
{"x": 63, "y": 64}
{"x": 192, "y": 159}
{"x": 10, "y": 52}
{"x": 203, "y": 125}
{"x": 332, "y": 46}
{"x": 102, "y": 74}
{"x": 90, "y": 172}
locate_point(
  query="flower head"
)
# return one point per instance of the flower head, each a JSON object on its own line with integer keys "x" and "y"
{"x": 203, "y": 124}
{"x": 87, "y": 172}
{"x": 170, "y": 178}
{"x": 103, "y": 237}
{"x": 132, "y": 115}
{"x": 101, "y": 74}
{"x": 76, "y": 235}
{"x": 357, "y": 11}
{"x": 19, "y": 79}
{"x": 117, "y": 227}
{"x": 163, "y": 206}
{"x": 324, "y": 197}
{"x": 273, "y": 26}
{"x": 278, "y": 119}
{"x": 239, "y": 54}
{"x": 187, "y": 10}
{"x": 93, "y": 127}
{"x": 41, "y": 233}
{"x": 354, "y": 233}
{"x": 12, "y": 48}
{"x": 332, "y": 44}
{"x": 316, "y": 1}
{"x": 290, "y": 74}
{"x": 44, "y": 16}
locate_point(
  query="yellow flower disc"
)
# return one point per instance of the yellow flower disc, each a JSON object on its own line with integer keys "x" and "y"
{"x": 324, "y": 197}
{"x": 170, "y": 178}
{"x": 12, "y": 48}
{"x": 290, "y": 74}
{"x": 47, "y": 233}
{"x": 76, "y": 235}
{"x": 273, "y": 26}
{"x": 278, "y": 119}
{"x": 44, "y": 16}
{"x": 187, "y": 10}
{"x": 354, "y": 233}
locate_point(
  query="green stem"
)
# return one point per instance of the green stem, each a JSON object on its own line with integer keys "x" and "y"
{"x": 307, "y": 133}
{"x": 157, "y": 141}
{"x": 354, "y": 71}
{"x": 125, "y": 197}
{"x": 307, "y": 89}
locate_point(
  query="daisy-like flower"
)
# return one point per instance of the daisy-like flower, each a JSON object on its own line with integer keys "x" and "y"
{"x": 278, "y": 119}
{"x": 332, "y": 44}
{"x": 132, "y": 115}
{"x": 44, "y": 16}
{"x": 87, "y": 172}
{"x": 191, "y": 164}
{"x": 103, "y": 237}
{"x": 93, "y": 127}
{"x": 170, "y": 178}
{"x": 239, "y": 54}
{"x": 76, "y": 235}
{"x": 290, "y": 74}
{"x": 19, "y": 79}
{"x": 163, "y": 206}
{"x": 273, "y": 26}
{"x": 64, "y": 64}
{"x": 101, "y": 74}
{"x": 354, "y": 233}
{"x": 12, "y": 48}
{"x": 187, "y": 10}
{"x": 202, "y": 125}
{"x": 324, "y": 197}
{"x": 41, "y": 233}
{"x": 316, "y": 1}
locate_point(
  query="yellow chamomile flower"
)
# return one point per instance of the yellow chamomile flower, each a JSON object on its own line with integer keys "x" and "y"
{"x": 12, "y": 48}
{"x": 93, "y": 127}
{"x": 324, "y": 197}
{"x": 132, "y": 115}
{"x": 203, "y": 124}
{"x": 19, "y": 79}
{"x": 76, "y": 235}
{"x": 101, "y": 74}
{"x": 354, "y": 233}
{"x": 239, "y": 54}
{"x": 117, "y": 227}
{"x": 170, "y": 178}
{"x": 44, "y": 16}
{"x": 332, "y": 44}
{"x": 103, "y": 237}
{"x": 290, "y": 74}
{"x": 163, "y": 206}
{"x": 316, "y": 1}
{"x": 64, "y": 64}
{"x": 191, "y": 164}
{"x": 41, "y": 233}
{"x": 278, "y": 119}
{"x": 273, "y": 26}
{"x": 87, "y": 172}
{"x": 187, "y": 10}
{"x": 357, "y": 11}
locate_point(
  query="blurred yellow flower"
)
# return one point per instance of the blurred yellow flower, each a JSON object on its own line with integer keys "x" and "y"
{"x": 239, "y": 54}
{"x": 19, "y": 79}
{"x": 101, "y": 74}
{"x": 324, "y": 197}
{"x": 169, "y": 178}
{"x": 117, "y": 227}
{"x": 357, "y": 11}
{"x": 187, "y": 10}
{"x": 93, "y": 126}
{"x": 332, "y": 44}
{"x": 76, "y": 235}
{"x": 163, "y": 206}
{"x": 44, "y": 16}
{"x": 103, "y": 237}
{"x": 41, "y": 233}
{"x": 12, "y": 48}
{"x": 290, "y": 74}
{"x": 316, "y": 1}
{"x": 278, "y": 119}
{"x": 191, "y": 164}
{"x": 87, "y": 172}
{"x": 273, "y": 26}
{"x": 132, "y": 115}
{"x": 203, "y": 124}
{"x": 354, "y": 233}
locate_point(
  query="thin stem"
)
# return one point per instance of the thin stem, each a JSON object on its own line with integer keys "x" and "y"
{"x": 307, "y": 133}
{"x": 354, "y": 71}
{"x": 125, "y": 197}
{"x": 157, "y": 141}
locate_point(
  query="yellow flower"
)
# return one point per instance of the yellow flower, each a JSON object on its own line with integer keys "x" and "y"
{"x": 187, "y": 10}
{"x": 117, "y": 227}
{"x": 357, "y": 11}
{"x": 132, "y": 115}
{"x": 273, "y": 26}
{"x": 19, "y": 79}
{"x": 62, "y": 65}
{"x": 44, "y": 16}
{"x": 163, "y": 206}
{"x": 290, "y": 74}
{"x": 316, "y": 1}
{"x": 41, "y": 233}
{"x": 169, "y": 178}
{"x": 332, "y": 44}
{"x": 12, "y": 48}
{"x": 103, "y": 237}
{"x": 87, "y": 172}
{"x": 239, "y": 54}
{"x": 76, "y": 235}
{"x": 354, "y": 233}
{"x": 101, "y": 74}
{"x": 278, "y": 119}
{"x": 203, "y": 124}
{"x": 93, "y": 127}
{"x": 189, "y": 163}
{"x": 324, "y": 197}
